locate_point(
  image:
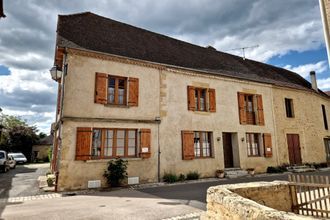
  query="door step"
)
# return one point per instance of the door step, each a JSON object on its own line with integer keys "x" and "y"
{"x": 300, "y": 169}
{"x": 235, "y": 173}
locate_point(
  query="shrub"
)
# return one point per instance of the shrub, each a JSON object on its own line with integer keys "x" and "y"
{"x": 182, "y": 177}
{"x": 279, "y": 169}
{"x": 320, "y": 165}
{"x": 193, "y": 175}
{"x": 170, "y": 178}
{"x": 116, "y": 172}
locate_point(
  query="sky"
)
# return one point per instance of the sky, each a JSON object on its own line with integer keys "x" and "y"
{"x": 289, "y": 34}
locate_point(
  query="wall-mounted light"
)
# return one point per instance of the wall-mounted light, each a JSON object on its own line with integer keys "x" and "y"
{"x": 218, "y": 138}
{"x": 242, "y": 139}
{"x": 55, "y": 73}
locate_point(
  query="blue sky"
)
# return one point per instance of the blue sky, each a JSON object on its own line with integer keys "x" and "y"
{"x": 289, "y": 35}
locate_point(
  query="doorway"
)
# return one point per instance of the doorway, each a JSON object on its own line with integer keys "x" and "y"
{"x": 294, "y": 149}
{"x": 228, "y": 150}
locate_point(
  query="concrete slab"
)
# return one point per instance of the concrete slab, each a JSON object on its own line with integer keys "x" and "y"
{"x": 122, "y": 204}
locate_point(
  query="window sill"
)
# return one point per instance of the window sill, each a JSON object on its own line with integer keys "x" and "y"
{"x": 115, "y": 105}
{"x": 107, "y": 160}
{"x": 202, "y": 112}
{"x": 204, "y": 157}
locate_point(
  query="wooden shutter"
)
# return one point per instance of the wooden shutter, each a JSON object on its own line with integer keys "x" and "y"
{"x": 260, "y": 110}
{"x": 83, "y": 143}
{"x": 212, "y": 100}
{"x": 133, "y": 96}
{"x": 188, "y": 151}
{"x": 59, "y": 93}
{"x": 101, "y": 85}
{"x": 191, "y": 98}
{"x": 241, "y": 108}
{"x": 268, "y": 145}
{"x": 145, "y": 143}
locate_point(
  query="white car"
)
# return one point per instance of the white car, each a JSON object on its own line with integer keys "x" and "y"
{"x": 12, "y": 162}
{"x": 4, "y": 162}
{"x": 18, "y": 157}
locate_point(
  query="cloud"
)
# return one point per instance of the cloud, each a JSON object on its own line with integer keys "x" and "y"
{"x": 305, "y": 69}
{"x": 27, "y": 37}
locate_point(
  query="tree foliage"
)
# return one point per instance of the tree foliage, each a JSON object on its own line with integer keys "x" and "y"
{"x": 17, "y": 135}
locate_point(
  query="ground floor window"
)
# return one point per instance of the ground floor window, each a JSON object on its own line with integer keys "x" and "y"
{"x": 202, "y": 144}
{"x": 253, "y": 144}
{"x": 108, "y": 143}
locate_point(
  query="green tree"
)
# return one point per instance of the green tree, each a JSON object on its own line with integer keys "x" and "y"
{"x": 17, "y": 135}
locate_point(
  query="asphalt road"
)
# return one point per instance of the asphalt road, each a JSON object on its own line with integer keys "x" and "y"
{"x": 194, "y": 194}
{"x": 22, "y": 181}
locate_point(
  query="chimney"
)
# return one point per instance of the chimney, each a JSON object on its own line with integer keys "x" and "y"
{"x": 313, "y": 80}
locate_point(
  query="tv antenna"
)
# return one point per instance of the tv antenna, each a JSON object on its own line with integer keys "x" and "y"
{"x": 243, "y": 49}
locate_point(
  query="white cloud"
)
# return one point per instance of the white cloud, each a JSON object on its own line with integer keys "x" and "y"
{"x": 305, "y": 69}
{"x": 324, "y": 84}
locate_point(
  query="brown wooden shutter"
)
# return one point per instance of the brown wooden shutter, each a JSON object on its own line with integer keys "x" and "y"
{"x": 145, "y": 143}
{"x": 133, "y": 96}
{"x": 59, "y": 98}
{"x": 241, "y": 108}
{"x": 268, "y": 145}
{"x": 101, "y": 85}
{"x": 191, "y": 98}
{"x": 84, "y": 143}
{"x": 212, "y": 100}
{"x": 260, "y": 110}
{"x": 188, "y": 151}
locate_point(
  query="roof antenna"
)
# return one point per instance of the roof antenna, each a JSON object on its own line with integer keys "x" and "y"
{"x": 243, "y": 49}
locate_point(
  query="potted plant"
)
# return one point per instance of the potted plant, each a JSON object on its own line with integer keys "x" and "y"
{"x": 220, "y": 173}
{"x": 250, "y": 171}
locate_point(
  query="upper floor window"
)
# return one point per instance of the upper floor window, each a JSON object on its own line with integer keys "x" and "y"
{"x": 201, "y": 99}
{"x": 116, "y": 90}
{"x": 289, "y": 108}
{"x": 325, "y": 120}
{"x": 250, "y": 109}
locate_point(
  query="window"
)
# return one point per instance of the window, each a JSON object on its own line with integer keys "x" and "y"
{"x": 202, "y": 144}
{"x": 325, "y": 121}
{"x": 289, "y": 108}
{"x": 200, "y": 99}
{"x": 116, "y": 143}
{"x": 117, "y": 88}
{"x": 253, "y": 144}
{"x": 250, "y": 109}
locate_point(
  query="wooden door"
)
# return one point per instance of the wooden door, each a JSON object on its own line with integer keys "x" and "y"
{"x": 294, "y": 149}
{"x": 227, "y": 150}
{"x": 327, "y": 149}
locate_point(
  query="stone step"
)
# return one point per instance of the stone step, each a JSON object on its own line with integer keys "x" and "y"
{"x": 235, "y": 172}
{"x": 301, "y": 169}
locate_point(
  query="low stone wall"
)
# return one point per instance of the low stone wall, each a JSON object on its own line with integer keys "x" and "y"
{"x": 259, "y": 200}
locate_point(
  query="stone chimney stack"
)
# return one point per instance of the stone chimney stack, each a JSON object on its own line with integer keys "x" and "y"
{"x": 313, "y": 80}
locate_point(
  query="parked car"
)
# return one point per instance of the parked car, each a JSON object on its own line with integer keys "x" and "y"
{"x": 4, "y": 162}
{"x": 18, "y": 157}
{"x": 12, "y": 162}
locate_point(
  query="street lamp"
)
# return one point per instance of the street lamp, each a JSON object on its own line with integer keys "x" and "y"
{"x": 55, "y": 73}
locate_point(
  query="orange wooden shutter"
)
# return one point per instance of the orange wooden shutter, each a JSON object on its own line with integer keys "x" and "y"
{"x": 84, "y": 143}
{"x": 191, "y": 98}
{"x": 133, "y": 96}
{"x": 241, "y": 108}
{"x": 268, "y": 145}
{"x": 260, "y": 110}
{"x": 101, "y": 85}
{"x": 145, "y": 143}
{"x": 212, "y": 100}
{"x": 188, "y": 151}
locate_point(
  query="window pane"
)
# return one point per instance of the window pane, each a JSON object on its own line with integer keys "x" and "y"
{"x": 121, "y": 93}
{"x": 131, "y": 151}
{"x": 111, "y": 95}
{"x": 131, "y": 134}
{"x": 196, "y": 99}
{"x": 131, "y": 142}
{"x": 206, "y": 144}
{"x": 120, "y": 151}
{"x": 108, "y": 143}
{"x": 197, "y": 144}
{"x": 202, "y": 100}
{"x": 120, "y": 142}
{"x": 96, "y": 148}
{"x": 120, "y": 134}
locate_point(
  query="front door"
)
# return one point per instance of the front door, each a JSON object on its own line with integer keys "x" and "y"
{"x": 227, "y": 150}
{"x": 294, "y": 149}
{"x": 327, "y": 149}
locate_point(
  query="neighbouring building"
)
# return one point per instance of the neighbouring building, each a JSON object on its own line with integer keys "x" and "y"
{"x": 170, "y": 106}
{"x": 41, "y": 148}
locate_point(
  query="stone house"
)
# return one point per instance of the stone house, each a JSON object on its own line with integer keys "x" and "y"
{"x": 170, "y": 106}
{"x": 41, "y": 148}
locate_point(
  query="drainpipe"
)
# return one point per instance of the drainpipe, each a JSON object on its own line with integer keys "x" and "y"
{"x": 313, "y": 80}
{"x": 158, "y": 120}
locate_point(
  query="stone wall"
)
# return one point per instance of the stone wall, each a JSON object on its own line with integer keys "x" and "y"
{"x": 259, "y": 200}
